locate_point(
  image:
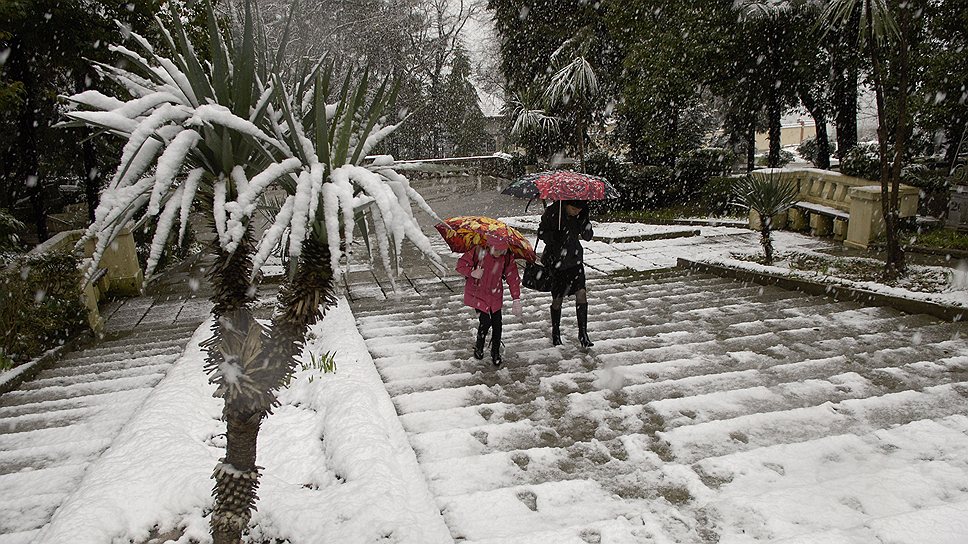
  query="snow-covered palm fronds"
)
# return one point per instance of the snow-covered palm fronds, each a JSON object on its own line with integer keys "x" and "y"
{"x": 335, "y": 191}
{"x": 574, "y": 80}
{"x": 188, "y": 127}
{"x": 528, "y": 118}
{"x": 877, "y": 23}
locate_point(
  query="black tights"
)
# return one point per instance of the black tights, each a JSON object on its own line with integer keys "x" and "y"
{"x": 490, "y": 321}
{"x": 581, "y": 297}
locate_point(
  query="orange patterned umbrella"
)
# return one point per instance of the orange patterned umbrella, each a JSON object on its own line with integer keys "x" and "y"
{"x": 463, "y": 234}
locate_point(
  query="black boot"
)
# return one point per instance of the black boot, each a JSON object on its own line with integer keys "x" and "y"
{"x": 582, "y": 311}
{"x": 555, "y": 326}
{"x": 496, "y": 338}
{"x": 482, "y": 328}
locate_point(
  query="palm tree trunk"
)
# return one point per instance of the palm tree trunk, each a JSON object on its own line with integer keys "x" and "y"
{"x": 302, "y": 302}
{"x": 236, "y": 341}
{"x": 891, "y": 269}
{"x": 766, "y": 240}
{"x": 895, "y": 251}
{"x": 774, "y": 113}
{"x": 751, "y": 147}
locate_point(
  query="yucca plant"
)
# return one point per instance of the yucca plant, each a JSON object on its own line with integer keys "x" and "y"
{"x": 767, "y": 195}
{"x": 217, "y": 134}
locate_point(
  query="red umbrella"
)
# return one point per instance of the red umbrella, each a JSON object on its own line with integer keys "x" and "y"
{"x": 463, "y": 234}
{"x": 562, "y": 185}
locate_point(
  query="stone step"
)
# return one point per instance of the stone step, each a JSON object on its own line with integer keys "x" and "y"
{"x": 121, "y": 371}
{"x": 93, "y": 368}
{"x": 88, "y": 401}
{"x": 693, "y": 443}
{"x": 127, "y": 350}
{"x": 61, "y": 418}
{"x": 534, "y": 509}
{"x": 19, "y": 397}
{"x": 37, "y": 457}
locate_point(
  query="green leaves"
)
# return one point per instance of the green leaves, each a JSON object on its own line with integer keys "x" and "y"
{"x": 767, "y": 194}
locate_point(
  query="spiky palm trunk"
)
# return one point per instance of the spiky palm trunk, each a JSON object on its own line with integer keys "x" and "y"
{"x": 233, "y": 360}
{"x": 766, "y": 240}
{"x": 302, "y": 303}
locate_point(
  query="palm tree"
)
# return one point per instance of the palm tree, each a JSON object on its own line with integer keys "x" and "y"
{"x": 216, "y": 138}
{"x": 768, "y": 196}
{"x": 573, "y": 87}
{"x": 878, "y": 34}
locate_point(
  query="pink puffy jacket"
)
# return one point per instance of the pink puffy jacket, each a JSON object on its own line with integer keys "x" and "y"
{"x": 487, "y": 293}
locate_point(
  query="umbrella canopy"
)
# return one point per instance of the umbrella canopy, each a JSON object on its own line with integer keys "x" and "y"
{"x": 561, "y": 185}
{"x": 463, "y": 234}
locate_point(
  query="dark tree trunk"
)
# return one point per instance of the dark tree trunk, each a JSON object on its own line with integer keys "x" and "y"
{"x": 751, "y": 147}
{"x": 819, "y": 114}
{"x": 30, "y": 172}
{"x": 774, "y": 112}
{"x": 895, "y": 256}
{"x": 236, "y": 476}
{"x": 845, "y": 60}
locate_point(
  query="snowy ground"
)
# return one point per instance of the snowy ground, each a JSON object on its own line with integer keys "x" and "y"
{"x": 708, "y": 411}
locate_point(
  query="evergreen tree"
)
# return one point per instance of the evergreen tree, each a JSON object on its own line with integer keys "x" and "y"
{"x": 463, "y": 120}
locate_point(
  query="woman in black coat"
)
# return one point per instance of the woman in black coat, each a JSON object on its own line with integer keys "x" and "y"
{"x": 563, "y": 257}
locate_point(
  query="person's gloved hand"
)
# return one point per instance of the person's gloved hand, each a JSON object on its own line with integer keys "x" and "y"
{"x": 477, "y": 273}
{"x": 516, "y": 308}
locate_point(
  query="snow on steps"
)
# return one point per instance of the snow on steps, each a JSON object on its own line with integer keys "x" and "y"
{"x": 53, "y": 427}
{"x": 703, "y": 370}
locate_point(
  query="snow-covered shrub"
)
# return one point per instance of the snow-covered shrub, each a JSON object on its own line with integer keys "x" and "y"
{"x": 10, "y": 230}
{"x": 785, "y": 158}
{"x": 808, "y": 149}
{"x": 40, "y": 304}
{"x": 716, "y": 197}
{"x": 862, "y": 161}
{"x": 694, "y": 169}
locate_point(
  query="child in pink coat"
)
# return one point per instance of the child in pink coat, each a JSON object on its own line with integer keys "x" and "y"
{"x": 486, "y": 269}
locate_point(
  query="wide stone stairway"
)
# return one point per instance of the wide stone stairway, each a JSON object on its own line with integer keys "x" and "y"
{"x": 707, "y": 409}
{"x": 54, "y": 426}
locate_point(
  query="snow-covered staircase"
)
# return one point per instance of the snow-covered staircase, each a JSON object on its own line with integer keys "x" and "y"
{"x": 708, "y": 408}
{"x": 53, "y": 427}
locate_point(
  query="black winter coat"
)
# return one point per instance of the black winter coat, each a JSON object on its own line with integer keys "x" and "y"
{"x": 562, "y": 245}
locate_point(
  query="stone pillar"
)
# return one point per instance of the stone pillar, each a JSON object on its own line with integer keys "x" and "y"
{"x": 797, "y": 220}
{"x": 866, "y": 220}
{"x": 120, "y": 260}
{"x": 820, "y": 225}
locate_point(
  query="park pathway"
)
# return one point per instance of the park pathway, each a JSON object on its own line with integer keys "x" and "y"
{"x": 54, "y": 426}
{"x": 708, "y": 407}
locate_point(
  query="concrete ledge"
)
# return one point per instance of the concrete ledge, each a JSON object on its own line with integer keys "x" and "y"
{"x": 837, "y": 292}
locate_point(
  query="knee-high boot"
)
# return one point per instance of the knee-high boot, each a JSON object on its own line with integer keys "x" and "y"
{"x": 582, "y": 311}
{"x": 555, "y": 326}
{"x": 483, "y": 326}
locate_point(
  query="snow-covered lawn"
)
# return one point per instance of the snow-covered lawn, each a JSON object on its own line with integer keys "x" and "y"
{"x": 936, "y": 284}
{"x": 610, "y": 231}
{"x": 338, "y": 467}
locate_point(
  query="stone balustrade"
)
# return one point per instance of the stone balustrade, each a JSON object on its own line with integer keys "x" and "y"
{"x": 849, "y": 208}
{"x": 119, "y": 272}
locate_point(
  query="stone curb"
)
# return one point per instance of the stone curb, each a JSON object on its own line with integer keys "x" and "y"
{"x": 837, "y": 292}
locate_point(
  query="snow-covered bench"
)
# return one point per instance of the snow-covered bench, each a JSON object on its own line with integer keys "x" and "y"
{"x": 845, "y": 206}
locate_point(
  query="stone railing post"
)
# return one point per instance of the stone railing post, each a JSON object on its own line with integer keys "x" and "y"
{"x": 120, "y": 260}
